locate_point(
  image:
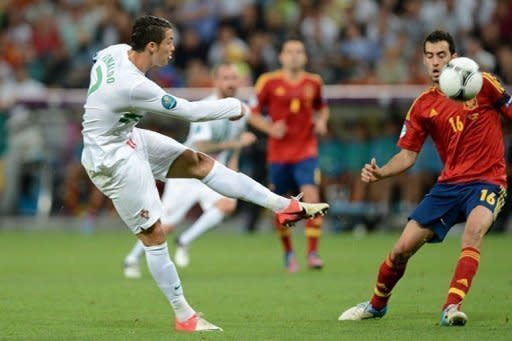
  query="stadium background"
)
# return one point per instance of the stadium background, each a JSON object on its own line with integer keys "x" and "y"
{"x": 368, "y": 53}
{"x": 62, "y": 246}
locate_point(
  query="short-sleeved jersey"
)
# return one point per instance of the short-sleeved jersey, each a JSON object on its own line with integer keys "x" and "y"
{"x": 216, "y": 131}
{"x": 118, "y": 97}
{"x": 467, "y": 135}
{"x": 295, "y": 103}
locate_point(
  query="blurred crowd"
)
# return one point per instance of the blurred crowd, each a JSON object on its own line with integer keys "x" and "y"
{"x": 45, "y": 43}
{"x": 348, "y": 41}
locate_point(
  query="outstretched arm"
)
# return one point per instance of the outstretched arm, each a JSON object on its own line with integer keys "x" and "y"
{"x": 147, "y": 96}
{"x": 207, "y": 146}
{"x": 273, "y": 129}
{"x": 399, "y": 163}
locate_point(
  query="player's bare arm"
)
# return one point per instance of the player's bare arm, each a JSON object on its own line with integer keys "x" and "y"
{"x": 207, "y": 146}
{"x": 321, "y": 121}
{"x": 399, "y": 163}
{"x": 276, "y": 130}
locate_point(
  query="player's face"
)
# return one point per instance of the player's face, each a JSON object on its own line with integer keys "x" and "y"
{"x": 435, "y": 57}
{"x": 227, "y": 80}
{"x": 164, "y": 50}
{"x": 293, "y": 55}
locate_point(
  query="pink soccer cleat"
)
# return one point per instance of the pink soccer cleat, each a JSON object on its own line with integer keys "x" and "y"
{"x": 196, "y": 324}
{"x": 290, "y": 263}
{"x": 297, "y": 210}
{"x": 314, "y": 261}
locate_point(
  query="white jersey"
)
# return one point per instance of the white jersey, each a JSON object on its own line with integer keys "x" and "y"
{"x": 118, "y": 97}
{"x": 216, "y": 132}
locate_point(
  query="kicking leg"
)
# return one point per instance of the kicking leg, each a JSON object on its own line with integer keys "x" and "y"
{"x": 237, "y": 185}
{"x": 391, "y": 270}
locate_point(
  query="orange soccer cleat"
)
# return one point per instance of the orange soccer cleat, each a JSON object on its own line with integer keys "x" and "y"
{"x": 196, "y": 324}
{"x": 297, "y": 210}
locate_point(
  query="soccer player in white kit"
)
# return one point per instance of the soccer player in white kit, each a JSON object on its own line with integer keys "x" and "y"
{"x": 124, "y": 161}
{"x": 221, "y": 139}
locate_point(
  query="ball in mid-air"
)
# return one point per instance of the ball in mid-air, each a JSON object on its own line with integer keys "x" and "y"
{"x": 461, "y": 79}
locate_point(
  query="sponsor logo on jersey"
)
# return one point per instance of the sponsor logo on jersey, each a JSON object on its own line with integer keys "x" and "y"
{"x": 168, "y": 102}
{"x": 433, "y": 113}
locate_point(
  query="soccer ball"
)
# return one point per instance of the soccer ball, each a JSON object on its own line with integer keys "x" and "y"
{"x": 460, "y": 79}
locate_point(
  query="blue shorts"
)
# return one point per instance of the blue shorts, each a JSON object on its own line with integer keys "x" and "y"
{"x": 289, "y": 177}
{"x": 449, "y": 204}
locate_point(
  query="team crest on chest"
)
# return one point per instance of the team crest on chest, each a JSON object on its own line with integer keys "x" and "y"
{"x": 279, "y": 91}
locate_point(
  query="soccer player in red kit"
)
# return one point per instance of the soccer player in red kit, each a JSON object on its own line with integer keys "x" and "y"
{"x": 293, "y": 100}
{"x": 470, "y": 189}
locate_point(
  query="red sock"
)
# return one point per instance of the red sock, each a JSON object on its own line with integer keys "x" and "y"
{"x": 285, "y": 235}
{"x": 313, "y": 232}
{"x": 389, "y": 275}
{"x": 463, "y": 276}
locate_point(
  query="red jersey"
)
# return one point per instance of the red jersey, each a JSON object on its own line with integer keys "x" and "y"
{"x": 467, "y": 135}
{"x": 295, "y": 103}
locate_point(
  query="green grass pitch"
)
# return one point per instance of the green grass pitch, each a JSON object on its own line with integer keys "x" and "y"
{"x": 68, "y": 286}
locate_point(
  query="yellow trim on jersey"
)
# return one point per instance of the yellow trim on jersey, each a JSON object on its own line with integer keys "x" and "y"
{"x": 494, "y": 82}
{"x": 429, "y": 90}
{"x": 264, "y": 78}
{"x": 313, "y": 76}
{"x": 457, "y": 292}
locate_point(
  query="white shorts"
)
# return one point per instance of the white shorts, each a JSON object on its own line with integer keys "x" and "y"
{"x": 181, "y": 194}
{"x": 130, "y": 182}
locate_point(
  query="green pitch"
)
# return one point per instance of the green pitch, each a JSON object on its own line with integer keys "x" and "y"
{"x": 69, "y": 286}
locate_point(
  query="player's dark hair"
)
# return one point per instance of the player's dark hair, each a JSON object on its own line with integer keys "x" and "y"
{"x": 146, "y": 29}
{"x": 437, "y": 36}
{"x": 291, "y": 37}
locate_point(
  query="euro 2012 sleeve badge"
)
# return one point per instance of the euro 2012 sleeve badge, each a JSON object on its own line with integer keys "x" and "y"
{"x": 168, "y": 102}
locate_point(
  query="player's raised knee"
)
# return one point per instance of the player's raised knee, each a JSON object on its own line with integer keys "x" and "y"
{"x": 155, "y": 235}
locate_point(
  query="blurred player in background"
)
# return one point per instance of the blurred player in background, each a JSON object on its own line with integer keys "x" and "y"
{"x": 222, "y": 140}
{"x": 123, "y": 161}
{"x": 471, "y": 187}
{"x": 293, "y": 100}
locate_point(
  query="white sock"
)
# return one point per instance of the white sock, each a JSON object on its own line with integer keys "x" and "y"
{"x": 136, "y": 252}
{"x": 239, "y": 186}
{"x": 166, "y": 277}
{"x": 206, "y": 221}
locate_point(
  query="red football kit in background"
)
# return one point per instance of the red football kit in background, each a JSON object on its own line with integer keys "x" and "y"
{"x": 295, "y": 103}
